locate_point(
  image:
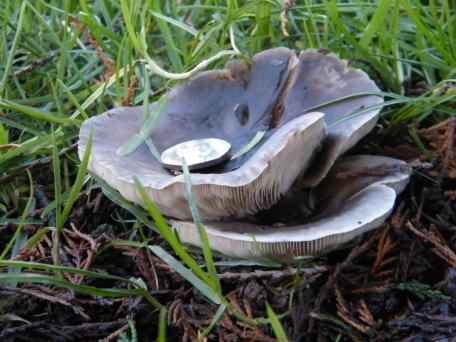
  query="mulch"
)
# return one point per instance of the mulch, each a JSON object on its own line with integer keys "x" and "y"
{"x": 396, "y": 283}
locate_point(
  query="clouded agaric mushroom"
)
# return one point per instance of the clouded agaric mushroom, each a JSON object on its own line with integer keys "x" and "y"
{"x": 356, "y": 196}
{"x": 289, "y": 99}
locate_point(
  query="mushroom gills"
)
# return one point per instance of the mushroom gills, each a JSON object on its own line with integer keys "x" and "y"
{"x": 364, "y": 203}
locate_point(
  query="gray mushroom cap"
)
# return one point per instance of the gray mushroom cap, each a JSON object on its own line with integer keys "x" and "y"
{"x": 357, "y": 196}
{"x": 276, "y": 93}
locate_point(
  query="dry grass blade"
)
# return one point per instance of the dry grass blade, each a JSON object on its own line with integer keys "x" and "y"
{"x": 384, "y": 246}
{"x": 365, "y": 314}
{"x": 332, "y": 279}
{"x": 344, "y": 313}
{"x": 440, "y": 246}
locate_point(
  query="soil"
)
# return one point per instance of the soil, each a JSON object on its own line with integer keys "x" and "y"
{"x": 396, "y": 283}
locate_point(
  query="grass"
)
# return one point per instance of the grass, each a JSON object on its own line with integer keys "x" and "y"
{"x": 64, "y": 61}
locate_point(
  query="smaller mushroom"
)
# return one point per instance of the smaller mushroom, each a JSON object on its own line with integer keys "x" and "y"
{"x": 357, "y": 196}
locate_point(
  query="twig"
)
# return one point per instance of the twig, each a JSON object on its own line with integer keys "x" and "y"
{"x": 274, "y": 274}
{"x": 344, "y": 312}
{"x": 37, "y": 162}
{"x": 7, "y": 146}
{"x": 324, "y": 291}
{"x": 287, "y": 6}
{"x": 44, "y": 202}
{"x": 373, "y": 289}
{"x": 441, "y": 248}
{"x": 450, "y": 139}
{"x": 107, "y": 61}
{"x": 91, "y": 250}
{"x": 11, "y": 332}
{"x": 50, "y": 298}
{"x": 92, "y": 329}
{"x": 442, "y": 138}
{"x": 115, "y": 334}
{"x": 146, "y": 268}
{"x": 36, "y": 63}
{"x": 384, "y": 246}
{"x": 132, "y": 85}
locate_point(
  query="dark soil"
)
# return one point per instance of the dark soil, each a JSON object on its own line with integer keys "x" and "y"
{"x": 396, "y": 283}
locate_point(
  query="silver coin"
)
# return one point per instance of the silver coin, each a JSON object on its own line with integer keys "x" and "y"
{"x": 198, "y": 154}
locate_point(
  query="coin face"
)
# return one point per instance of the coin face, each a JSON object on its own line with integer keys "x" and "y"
{"x": 198, "y": 154}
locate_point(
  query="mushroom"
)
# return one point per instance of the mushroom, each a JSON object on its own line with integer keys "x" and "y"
{"x": 356, "y": 196}
{"x": 287, "y": 98}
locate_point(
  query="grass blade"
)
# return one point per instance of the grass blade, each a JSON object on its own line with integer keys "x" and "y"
{"x": 32, "y": 278}
{"x": 276, "y": 325}
{"x": 149, "y": 124}
{"x": 57, "y": 268}
{"x": 251, "y": 144}
{"x": 202, "y": 231}
{"x": 169, "y": 38}
{"x": 37, "y": 114}
{"x": 12, "y": 51}
{"x": 79, "y": 182}
{"x": 115, "y": 197}
{"x": 218, "y": 315}
{"x": 169, "y": 235}
{"x": 377, "y": 22}
{"x": 98, "y": 92}
{"x": 177, "y": 23}
{"x": 186, "y": 273}
{"x": 162, "y": 325}
{"x": 18, "y": 234}
{"x": 58, "y": 201}
{"x": 3, "y": 135}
